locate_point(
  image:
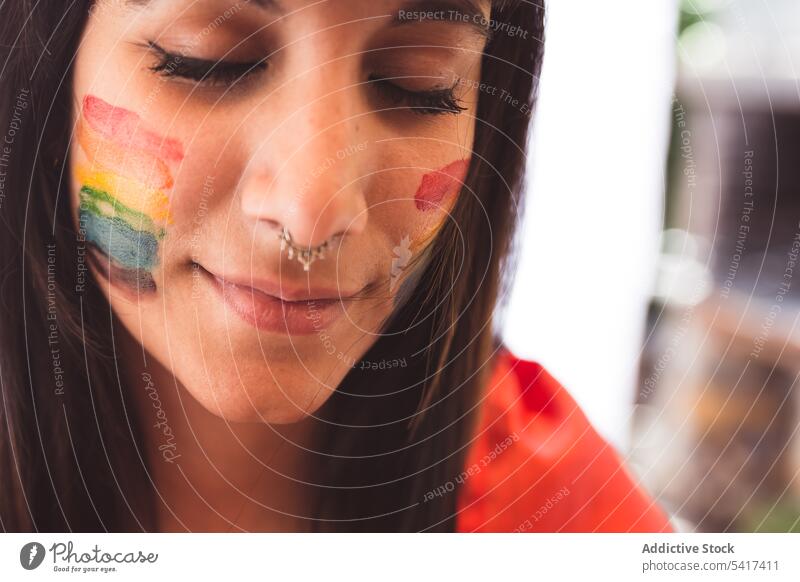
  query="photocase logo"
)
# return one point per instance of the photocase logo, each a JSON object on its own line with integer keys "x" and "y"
{"x": 402, "y": 256}
{"x": 31, "y": 555}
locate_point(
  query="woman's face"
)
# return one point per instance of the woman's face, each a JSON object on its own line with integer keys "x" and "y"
{"x": 205, "y": 128}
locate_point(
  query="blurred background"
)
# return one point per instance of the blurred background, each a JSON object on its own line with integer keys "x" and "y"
{"x": 659, "y": 275}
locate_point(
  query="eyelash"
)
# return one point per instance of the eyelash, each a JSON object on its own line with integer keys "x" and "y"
{"x": 431, "y": 102}
{"x": 222, "y": 73}
{"x": 212, "y": 73}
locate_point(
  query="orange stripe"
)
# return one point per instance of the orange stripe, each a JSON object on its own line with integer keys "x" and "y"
{"x": 128, "y": 162}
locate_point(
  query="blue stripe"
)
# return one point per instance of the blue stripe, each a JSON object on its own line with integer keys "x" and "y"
{"x": 130, "y": 248}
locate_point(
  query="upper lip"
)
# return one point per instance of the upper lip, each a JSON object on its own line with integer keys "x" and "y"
{"x": 285, "y": 290}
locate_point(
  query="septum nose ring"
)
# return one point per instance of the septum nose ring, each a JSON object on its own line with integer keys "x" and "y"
{"x": 305, "y": 254}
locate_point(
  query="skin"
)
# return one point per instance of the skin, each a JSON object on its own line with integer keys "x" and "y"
{"x": 306, "y": 143}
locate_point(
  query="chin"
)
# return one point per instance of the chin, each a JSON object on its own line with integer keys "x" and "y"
{"x": 263, "y": 395}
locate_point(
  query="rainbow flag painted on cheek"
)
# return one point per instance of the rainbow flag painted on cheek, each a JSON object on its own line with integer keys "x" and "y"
{"x": 124, "y": 210}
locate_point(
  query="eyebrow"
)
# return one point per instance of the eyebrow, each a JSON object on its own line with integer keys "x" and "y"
{"x": 467, "y": 13}
{"x": 273, "y": 5}
{"x": 470, "y": 15}
{"x": 269, "y": 5}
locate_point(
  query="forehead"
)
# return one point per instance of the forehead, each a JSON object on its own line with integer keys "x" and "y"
{"x": 460, "y": 21}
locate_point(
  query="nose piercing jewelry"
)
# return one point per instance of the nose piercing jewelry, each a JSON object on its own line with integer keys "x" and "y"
{"x": 305, "y": 255}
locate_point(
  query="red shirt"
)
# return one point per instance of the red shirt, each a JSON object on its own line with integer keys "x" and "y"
{"x": 537, "y": 465}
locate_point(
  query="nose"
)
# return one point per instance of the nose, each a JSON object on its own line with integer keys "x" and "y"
{"x": 309, "y": 176}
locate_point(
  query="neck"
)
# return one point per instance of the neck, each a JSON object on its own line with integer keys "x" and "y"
{"x": 209, "y": 474}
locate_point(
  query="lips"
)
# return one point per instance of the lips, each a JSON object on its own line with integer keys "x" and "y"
{"x": 278, "y": 308}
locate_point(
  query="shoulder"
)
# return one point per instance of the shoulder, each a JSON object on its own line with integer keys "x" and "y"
{"x": 537, "y": 464}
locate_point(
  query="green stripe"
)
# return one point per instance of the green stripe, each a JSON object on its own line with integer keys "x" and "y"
{"x": 93, "y": 200}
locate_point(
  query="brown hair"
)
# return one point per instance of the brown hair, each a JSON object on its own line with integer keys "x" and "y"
{"x": 70, "y": 450}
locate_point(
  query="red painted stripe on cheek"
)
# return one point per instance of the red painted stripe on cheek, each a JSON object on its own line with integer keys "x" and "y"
{"x": 440, "y": 184}
{"x": 136, "y": 164}
{"x": 126, "y": 128}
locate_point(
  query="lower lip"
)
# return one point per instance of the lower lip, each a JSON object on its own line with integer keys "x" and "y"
{"x": 272, "y": 314}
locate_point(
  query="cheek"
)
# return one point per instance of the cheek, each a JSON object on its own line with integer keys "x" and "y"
{"x": 440, "y": 187}
{"x": 124, "y": 207}
{"x": 425, "y": 210}
{"x": 435, "y": 195}
{"x": 416, "y": 207}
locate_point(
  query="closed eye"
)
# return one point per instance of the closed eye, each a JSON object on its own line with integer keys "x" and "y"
{"x": 203, "y": 71}
{"x": 427, "y": 102}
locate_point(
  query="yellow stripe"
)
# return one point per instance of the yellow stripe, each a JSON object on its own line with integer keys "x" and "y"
{"x": 131, "y": 193}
